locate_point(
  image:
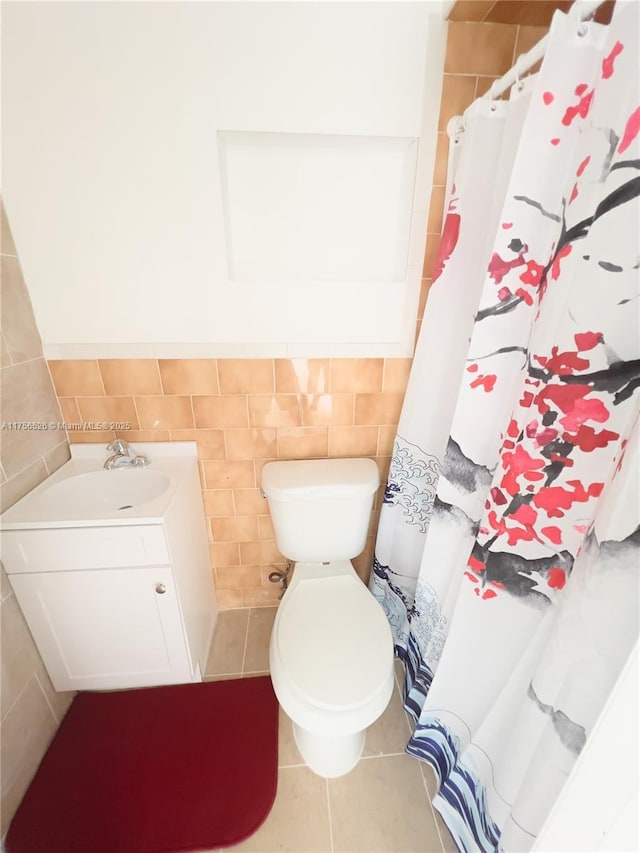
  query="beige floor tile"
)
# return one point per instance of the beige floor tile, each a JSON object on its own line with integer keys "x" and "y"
{"x": 299, "y": 820}
{"x": 227, "y": 645}
{"x": 360, "y": 825}
{"x": 288, "y": 755}
{"x": 429, "y": 777}
{"x": 256, "y": 657}
{"x": 389, "y": 734}
{"x": 448, "y": 844}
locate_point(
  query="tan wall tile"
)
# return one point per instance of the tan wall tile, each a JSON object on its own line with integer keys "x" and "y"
{"x": 436, "y": 208}
{"x": 189, "y": 375}
{"x": 134, "y": 376}
{"x": 457, "y": 93}
{"x": 274, "y": 410}
{"x": 378, "y": 408}
{"x": 470, "y": 10}
{"x": 396, "y": 374}
{"x": 250, "y": 502}
{"x": 261, "y": 596}
{"x": 210, "y": 441}
{"x": 237, "y": 577}
{"x": 250, "y": 443}
{"x": 144, "y": 434}
{"x": 220, "y": 412}
{"x": 109, "y": 410}
{"x": 386, "y": 438}
{"x": 430, "y": 255}
{"x": 265, "y": 527}
{"x": 302, "y": 375}
{"x": 96, "y": 436}
{"x": 229, "y": 474}
{"x": 258, "y": 465}
{"x": 246, "y": 375}
{"x": 69, "y": 409}
{"x": 353, "y": 441}
{"x": 165, "y": 412}
{"x": 260, "y": 553}
{"x": 240, "y": 528}
{"x": 228, "y": 599}
{"x": 224, "y": 554}
{"x": 327, "y": 409}
{"x": 483, "y": 84}
{"x": 80, "y": 378}
{"x": 302, "y": 442}
{"x": 442, "y": 160}
{"x": 356, "y": 374}
{"x": 479, "y": 48}
{"x": 383, "y": 463}
{"x": 425, "y": 287}
{"x": 218, "y": 502}
{"x": 362, "y": 563}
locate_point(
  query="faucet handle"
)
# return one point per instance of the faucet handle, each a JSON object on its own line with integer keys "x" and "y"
{"x": 119, "y": 446}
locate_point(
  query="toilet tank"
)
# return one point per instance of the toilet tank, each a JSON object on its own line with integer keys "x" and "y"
{"x": 320, "y": 508}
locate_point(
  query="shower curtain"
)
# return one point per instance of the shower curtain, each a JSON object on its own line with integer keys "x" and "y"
{"x": 508, "y": 551}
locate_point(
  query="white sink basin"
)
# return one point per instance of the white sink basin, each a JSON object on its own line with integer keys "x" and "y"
{"x": 82, "y": 493}
{"x": 108, "y": 491}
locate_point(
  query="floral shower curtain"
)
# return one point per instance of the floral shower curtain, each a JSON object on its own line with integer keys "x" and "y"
{"x": 508, "y": 551}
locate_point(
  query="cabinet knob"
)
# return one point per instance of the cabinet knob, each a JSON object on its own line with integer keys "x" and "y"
{"x": 161, "y": 589}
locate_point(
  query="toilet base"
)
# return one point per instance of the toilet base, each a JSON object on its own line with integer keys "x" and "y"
{"x": 329, "y": 756}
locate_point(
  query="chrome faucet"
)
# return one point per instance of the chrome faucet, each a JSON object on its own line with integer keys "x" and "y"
{"x": 122, "y": 457}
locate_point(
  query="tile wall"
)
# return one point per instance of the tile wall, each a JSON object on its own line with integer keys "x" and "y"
{"x": 242, "y": 413}
{"x": 30, "y": 709}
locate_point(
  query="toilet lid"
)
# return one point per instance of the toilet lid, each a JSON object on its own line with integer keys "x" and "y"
{"x": 334, "y": 642}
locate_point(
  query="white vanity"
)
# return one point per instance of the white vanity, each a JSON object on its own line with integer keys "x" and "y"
{"x": 111, "y": 569}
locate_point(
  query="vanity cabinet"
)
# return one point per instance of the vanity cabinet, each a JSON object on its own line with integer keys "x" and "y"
{"x": 106, "y": 628}
{"x": 119, "y": 605}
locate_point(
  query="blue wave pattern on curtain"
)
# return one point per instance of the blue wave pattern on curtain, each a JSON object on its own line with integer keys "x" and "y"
{"x": 508, "y": 550}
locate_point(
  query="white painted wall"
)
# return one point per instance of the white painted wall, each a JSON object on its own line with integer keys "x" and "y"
{"x": 112, "y": 177}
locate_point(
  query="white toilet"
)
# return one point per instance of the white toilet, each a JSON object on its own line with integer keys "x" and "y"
{"x": 331, "y": 651}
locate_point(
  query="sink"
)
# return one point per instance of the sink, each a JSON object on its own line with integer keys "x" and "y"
{"x": 82, "y": 493}
{"x": 108, "y": 491}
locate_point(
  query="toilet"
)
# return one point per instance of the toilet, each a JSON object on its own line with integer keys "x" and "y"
{"x": 331, "y": 649}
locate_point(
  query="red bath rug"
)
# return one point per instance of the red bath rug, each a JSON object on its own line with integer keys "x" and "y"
{"x": 159, "y": 770}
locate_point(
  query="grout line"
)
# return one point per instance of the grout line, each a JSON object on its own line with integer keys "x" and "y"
{"x": 193, "y": 413}
{"x": 104, "y": 390}
{"x": 26, "y": 360}
{"x": 8, "y": 255}
{"x": 246, "y": 639}
{"x": 487, "y": 13}
{"x": 432, "y": 810}
{"x": 329, "y": 814}
{"x": 515, "y": 46}
{"x": 46, "y": 698}
{"x": 11, "y": 706}
{"x": 26, "y": 467}
{"x": 157, "y": 361}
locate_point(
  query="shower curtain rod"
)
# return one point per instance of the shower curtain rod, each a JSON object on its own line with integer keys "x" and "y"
{"x": 580, "y": 11}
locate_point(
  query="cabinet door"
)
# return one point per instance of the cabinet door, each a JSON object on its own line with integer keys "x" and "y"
{"x": 106, "y": 628}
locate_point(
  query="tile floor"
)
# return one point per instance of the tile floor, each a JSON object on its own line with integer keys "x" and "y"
{"x": 315, "y": 815}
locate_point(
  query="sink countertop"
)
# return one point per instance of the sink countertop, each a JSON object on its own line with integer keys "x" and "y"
{"x": 37, "y": 509}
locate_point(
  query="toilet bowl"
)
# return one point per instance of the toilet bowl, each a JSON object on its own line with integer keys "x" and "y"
{"x": 331, "y": 648}
{"x": 331, "y": 659}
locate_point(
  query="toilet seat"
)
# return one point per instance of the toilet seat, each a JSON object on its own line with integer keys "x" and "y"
{"x": 332, "y": 641}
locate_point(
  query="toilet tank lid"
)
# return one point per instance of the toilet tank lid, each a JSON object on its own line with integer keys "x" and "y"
{"x": 309, "y": 478}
